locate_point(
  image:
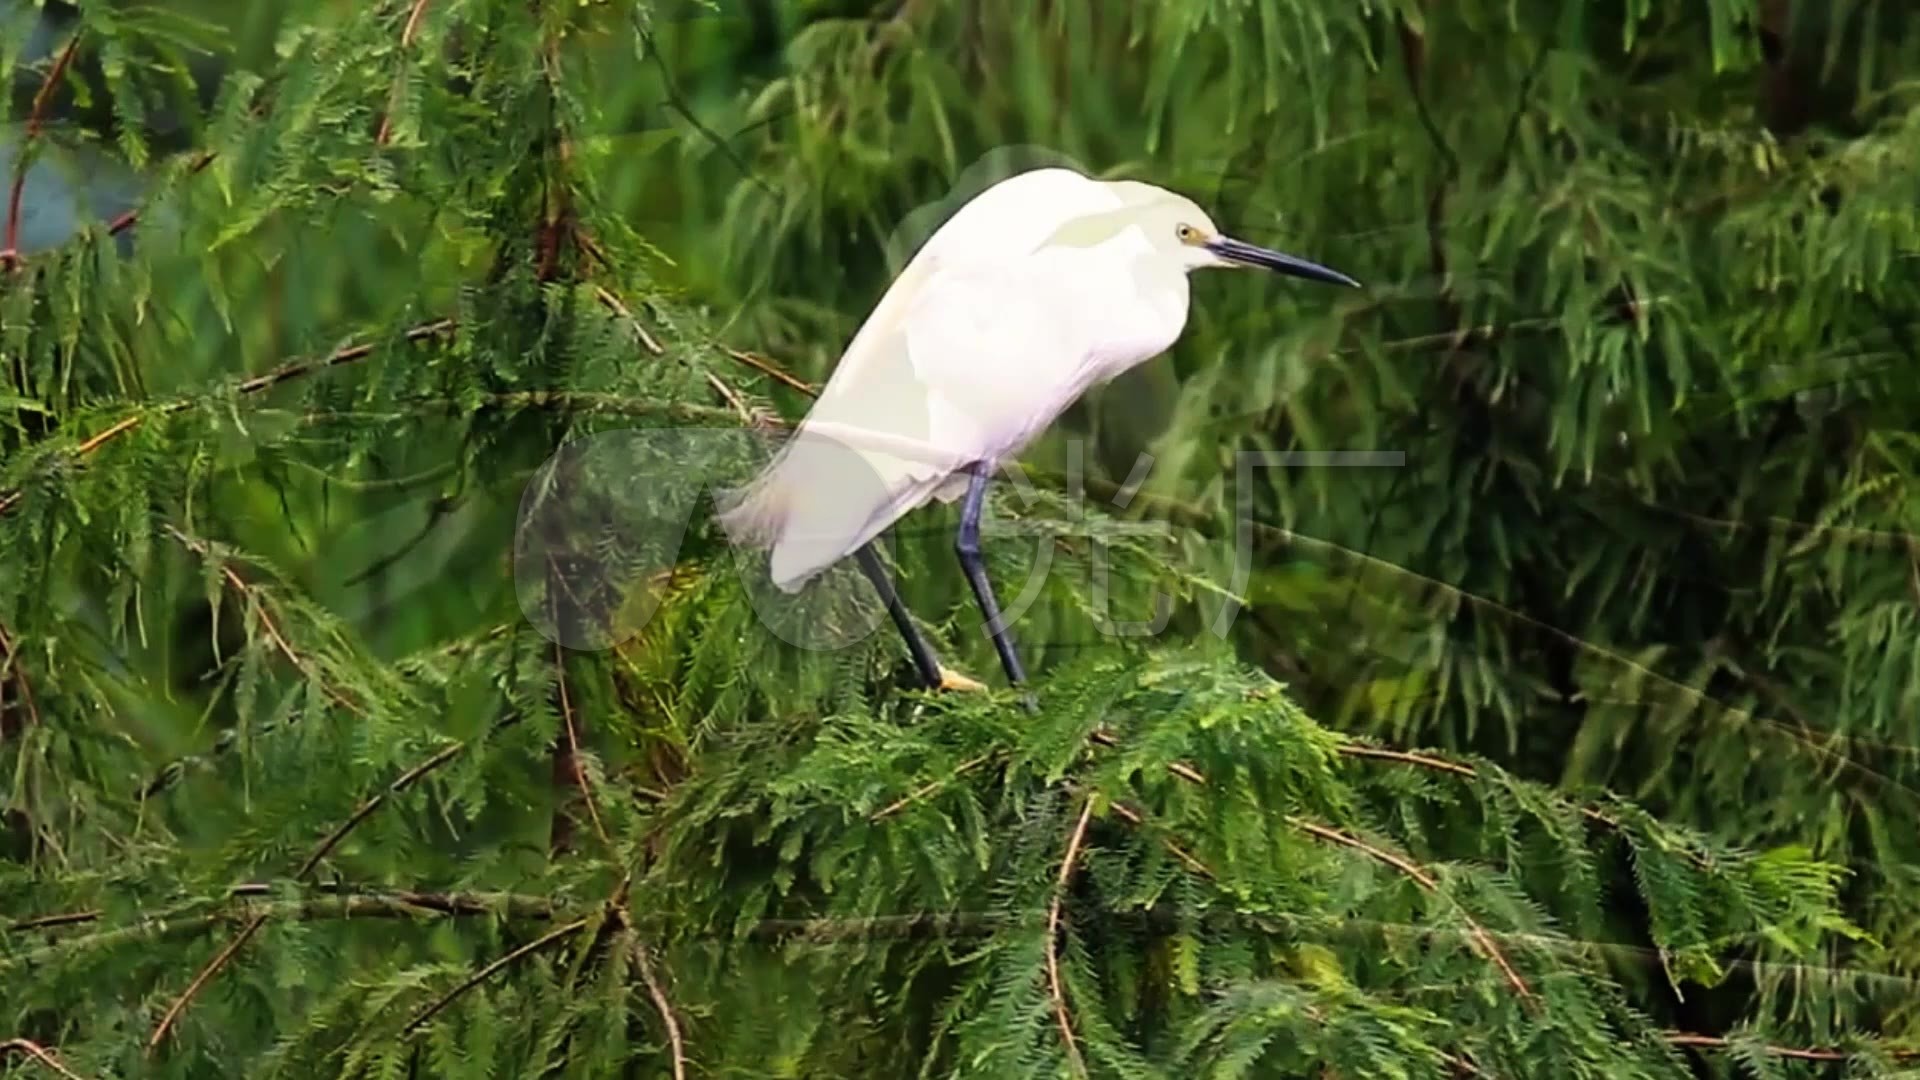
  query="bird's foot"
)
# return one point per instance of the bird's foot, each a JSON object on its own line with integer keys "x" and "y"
{"x": 953, "y": 680}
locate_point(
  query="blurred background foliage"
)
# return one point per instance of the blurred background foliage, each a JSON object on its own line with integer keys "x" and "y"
{"x": 1640, "y": 315}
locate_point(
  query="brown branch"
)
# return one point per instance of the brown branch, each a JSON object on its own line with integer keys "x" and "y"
{"x": 368, "y": 806}
{"x": 930, "y": 787}
{"x": 767, "y": 368}
{"x": 747, "y": 414}
{"x": 1054, "y": 989}
{"x": 613, "y": 304}
{"x": 1187, "y": 858}
{"x": 407, "y": 34}
{"x": 485, "y": 973}
{"x": 413, "y": 23}
{"x": 1426, "y": 882}
{"x": 38, "y": 1053}
{"x": 393, "y": 905}
{"x": 36, "y": 123}
{"x": 1715, "y": 1042}
{"x": 575, "y": 773}
{"x": 252, "y": 385}
{"x": 664, "y": 1007}
{"x": 1420, "y": 877}
{"x": 200, "y": 980}
{"x": 250, "y": 595}
{"x": 10, "y": 668}
{"x": 307, "y": 866}
{"x": 127, "y": 219}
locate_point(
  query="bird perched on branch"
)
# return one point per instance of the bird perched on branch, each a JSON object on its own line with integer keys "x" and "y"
{"x": 1040, "y": 287}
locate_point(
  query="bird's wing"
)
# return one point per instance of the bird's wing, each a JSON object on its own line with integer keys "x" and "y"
{"x": 959, "y": 363}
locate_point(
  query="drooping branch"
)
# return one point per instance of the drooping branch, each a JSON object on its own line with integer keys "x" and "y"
{"x": 36, "y": 123}
{"x": 12, "y": 674}
{"x": 390, "y": 905}
{"x": 1429, "y": 884}
{"x": 407, "y": 34}
{"x": 305, "y": 871}
{"x": 658, "y": 993}
{"x": 256, "y": 384}
{"x": 38, "y": 1053}
{"x": 1054, "y": 918}
{"x": 262, "y": 611}
{"x": 545, "y": 940}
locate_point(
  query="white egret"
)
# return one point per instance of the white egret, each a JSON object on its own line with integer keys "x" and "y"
{"x": 1040, "y": 287}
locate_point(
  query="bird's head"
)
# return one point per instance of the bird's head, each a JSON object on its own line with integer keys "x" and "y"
{"x": 1177, "y": 227}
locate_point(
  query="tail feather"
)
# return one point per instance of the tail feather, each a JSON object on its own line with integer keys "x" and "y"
{"x": 820, "y": 502}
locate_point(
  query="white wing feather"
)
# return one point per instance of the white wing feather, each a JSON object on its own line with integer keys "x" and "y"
{"x": 968, "y": 369}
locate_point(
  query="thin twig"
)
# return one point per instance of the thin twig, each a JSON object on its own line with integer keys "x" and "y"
{"x": 770, "y": 370}
{"x": 36, "y": 122}
{"x": 250, "y": 595}
{"x": 930, "y": 787}
{"x": 10, "y": 667}
{"x": 1715, "y": 1042}
{"x": 578, "y": 772}
{"x": 306, "y": 869}
{"x": 1426, "y": 882}
{"x": 413, "y": 23}
{"x": 484, "y": 973}
{"x": 652, "y": 344}
{"x": 252, "y": 385}
{"x": 38, "y": 1053}
{"x": 1059, "y": 995}
{"x": 407, "y": 33}
{"x": 127, "y": 219}
{"x": 665, "y": 1008}
{"x": 1420, "y": 877}
{"x": 185, "y": 923}
{"x": 200, "y": 980}
{"x": 613, "y": 304}
{"x": 369, "y": 805}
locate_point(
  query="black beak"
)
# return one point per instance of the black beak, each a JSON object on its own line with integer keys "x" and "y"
{"x": 1242, "y": 252}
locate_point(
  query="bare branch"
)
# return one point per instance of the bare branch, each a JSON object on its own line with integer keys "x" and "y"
{"x": 36, "y": 123}
{"x": 1054, "y": 988}
{"x": 665, "y": 1008}
{"x": 200, "y": 980}
{"x": 38, "y": 1053}
{"x": 484, "y": 973}
{"x": 573, "y": 772}
{"x": 929, "y": 788}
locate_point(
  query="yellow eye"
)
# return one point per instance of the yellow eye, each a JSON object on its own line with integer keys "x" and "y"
{"x": 1186, "y": 233}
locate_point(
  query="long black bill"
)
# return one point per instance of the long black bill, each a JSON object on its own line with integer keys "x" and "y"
{"x": 1242, "y": 252}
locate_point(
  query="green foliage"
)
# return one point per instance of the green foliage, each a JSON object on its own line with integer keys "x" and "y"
{"x": 1582, "y": 738}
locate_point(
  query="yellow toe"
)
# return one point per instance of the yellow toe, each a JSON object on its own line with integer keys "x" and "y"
{"x": 953, "y": 680}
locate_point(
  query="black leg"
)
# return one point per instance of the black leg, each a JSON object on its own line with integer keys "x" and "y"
{"x": 967, "y": 546}
{"x": 923, "y": 660}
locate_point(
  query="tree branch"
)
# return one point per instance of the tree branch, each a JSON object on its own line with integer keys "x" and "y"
{"x": 38, "y": 1053}
{"x": 1716, "y": 1042}
{"x": 392, "y": 905}
{"x": 306, "y": 869}
{"x": 10, "y": 669}
{"x": 36, "y": 123}
{"x": 663, "y": 1006}
{"x": 1428, "y": 883}
{"x": 407, "y": 34}
{"x": 1054, "y": 989}
{"x": 250, "y": 596}
{"x": 254, "y": 385}
{"x": 200, "y": 980}
{"x": 568, "y": 764}
{"x": 484, "y": 973}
